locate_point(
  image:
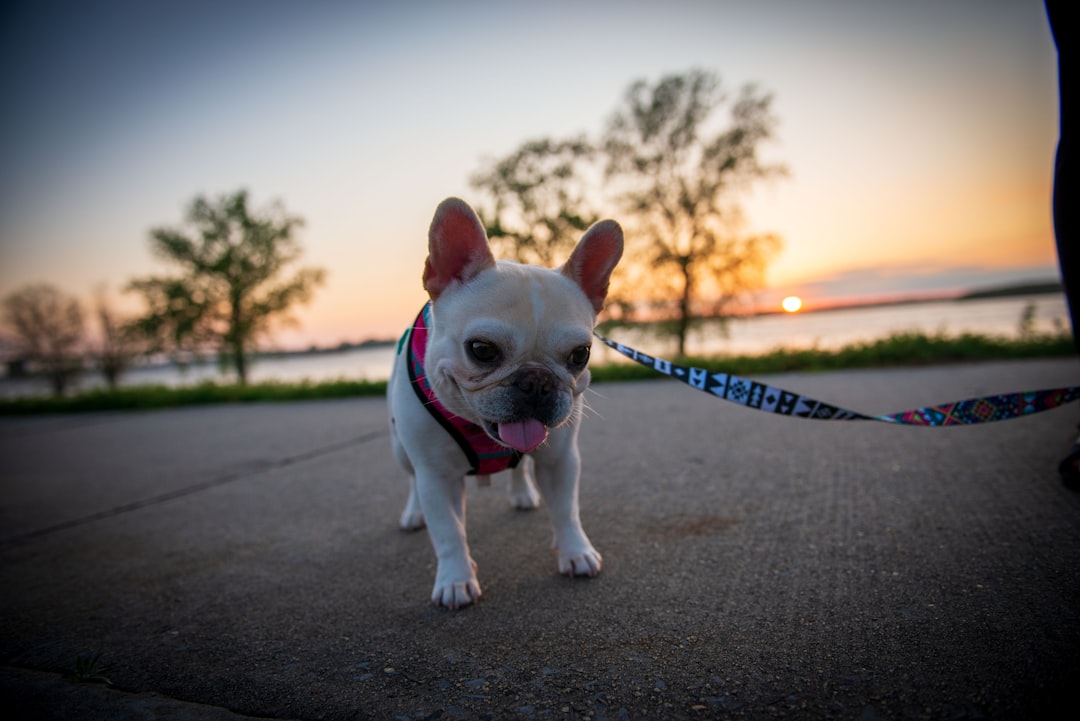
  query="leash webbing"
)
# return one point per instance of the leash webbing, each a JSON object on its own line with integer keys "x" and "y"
{"x": 771, "y": 399}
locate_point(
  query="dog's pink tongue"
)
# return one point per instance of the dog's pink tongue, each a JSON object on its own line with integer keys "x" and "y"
{"x": 524, "y": 435}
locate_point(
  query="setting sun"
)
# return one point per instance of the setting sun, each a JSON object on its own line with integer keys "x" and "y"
{"x": 792, "y": 304}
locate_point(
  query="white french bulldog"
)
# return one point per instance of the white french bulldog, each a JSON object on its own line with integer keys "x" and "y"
{"x": 494, "y": 369}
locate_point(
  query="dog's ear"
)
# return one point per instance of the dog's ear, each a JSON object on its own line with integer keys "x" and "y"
{"x": 594, "y": 258}
{"x": 457, "y": 247}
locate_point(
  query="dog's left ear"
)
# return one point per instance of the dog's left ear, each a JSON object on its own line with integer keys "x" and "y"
{"x": 458, "y": 248}
{"x": 594, "y": 258}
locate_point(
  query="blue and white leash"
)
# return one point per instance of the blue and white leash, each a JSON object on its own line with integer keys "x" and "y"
{"x": 771, "y": 399}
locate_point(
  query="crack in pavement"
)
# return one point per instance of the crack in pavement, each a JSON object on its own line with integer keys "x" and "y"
{"x": 48, "y": 694}
{"x": 193, "y": 489}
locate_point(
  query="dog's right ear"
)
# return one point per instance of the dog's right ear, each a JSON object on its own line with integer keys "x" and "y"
{"x": 457, "y": 247}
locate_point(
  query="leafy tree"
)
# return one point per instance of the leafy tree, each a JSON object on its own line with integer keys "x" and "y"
{"x": 48, "y": 330}
{"x": 678, "y": 178}
{"x": 233, "y": 280}
{"x": 539, "y": 205}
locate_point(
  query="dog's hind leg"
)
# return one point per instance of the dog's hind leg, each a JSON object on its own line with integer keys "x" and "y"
{"x": 412, "y": 518}
{"x": 522, "y": 490}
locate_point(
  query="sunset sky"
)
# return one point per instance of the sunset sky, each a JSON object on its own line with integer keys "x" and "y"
{"x": 919, "y": 134}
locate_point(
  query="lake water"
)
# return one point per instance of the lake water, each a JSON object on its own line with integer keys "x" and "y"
{"x": 822, "y": 329}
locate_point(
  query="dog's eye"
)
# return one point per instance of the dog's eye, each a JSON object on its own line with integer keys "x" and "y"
{"x": 482, "y": 351}
{"x": 579, "y": 357}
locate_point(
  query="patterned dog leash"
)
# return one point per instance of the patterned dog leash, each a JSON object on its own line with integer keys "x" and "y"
{"x": 771, "y": 399}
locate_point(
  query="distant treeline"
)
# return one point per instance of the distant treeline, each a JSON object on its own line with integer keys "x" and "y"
{"x": 1008, "y": 291}
{"x": 322, "y": 350}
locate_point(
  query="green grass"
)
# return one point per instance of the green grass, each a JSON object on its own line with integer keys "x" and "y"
{"x": 901, "y": 349}
{"x": 89, "y": 669}
{"x": 904, "y": 349}
{"x": 151, "y": 397}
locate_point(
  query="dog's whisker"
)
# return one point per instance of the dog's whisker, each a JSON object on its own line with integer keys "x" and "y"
{"x": 592, "y": 389}
{"x": 586, "y": 408}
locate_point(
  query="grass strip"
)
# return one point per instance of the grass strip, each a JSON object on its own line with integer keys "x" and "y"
{"x": 902, "y": 349}
{"x": 151, "y": 397}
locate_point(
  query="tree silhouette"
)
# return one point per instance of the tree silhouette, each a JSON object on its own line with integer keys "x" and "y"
{"x": 679, "y": 180}
{"x": 48, "y": 330}
{"x": 233, "y": 281}
{"x": 538, "y": 201}
{"x": 119, "y": 344}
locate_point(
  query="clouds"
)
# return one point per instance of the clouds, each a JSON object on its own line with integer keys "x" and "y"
{"x": 876, "y": 282}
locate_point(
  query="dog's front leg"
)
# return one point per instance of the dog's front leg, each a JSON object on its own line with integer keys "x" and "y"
{"x": 557, "y": 475}
{"x": 442, "y": 500}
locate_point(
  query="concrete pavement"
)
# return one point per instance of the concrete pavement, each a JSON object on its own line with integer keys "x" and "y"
{"x": 244, "y": 561}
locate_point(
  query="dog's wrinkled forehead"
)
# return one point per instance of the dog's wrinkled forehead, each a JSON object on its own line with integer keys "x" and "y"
{"x": 514, "y": 299}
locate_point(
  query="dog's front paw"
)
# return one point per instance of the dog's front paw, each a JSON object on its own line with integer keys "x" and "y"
{"x": 455, "y": 590}
{"x": 579, "y": 560}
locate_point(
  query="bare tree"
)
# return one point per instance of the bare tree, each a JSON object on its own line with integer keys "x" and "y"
{"x": 233, "y": 282}
{"x": 118, "y": 345}
{"x": 679, "y": 178}
{"x": 538, "y": 200}
{"x": 48, "y": 330}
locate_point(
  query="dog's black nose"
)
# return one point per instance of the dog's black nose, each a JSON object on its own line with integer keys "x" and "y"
{"x": 534, "y": 382}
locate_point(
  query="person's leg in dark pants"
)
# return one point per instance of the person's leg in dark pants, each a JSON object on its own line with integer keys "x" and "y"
{"x": 1064, "y": 227}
